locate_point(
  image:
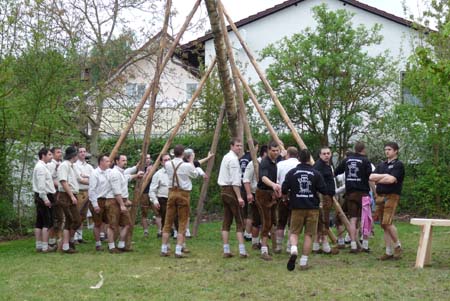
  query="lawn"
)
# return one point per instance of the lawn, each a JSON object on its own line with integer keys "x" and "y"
{"x": 205, "y": 275}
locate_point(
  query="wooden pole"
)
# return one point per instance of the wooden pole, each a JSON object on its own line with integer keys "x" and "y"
{"x": 269, "y": 89}
{"x": 197, "y": 92}
{"x": 141, "y": 104}
{"x": 148, "y": 125}
{"x": 209, "y": 167}
{"x": 238, "y": 88}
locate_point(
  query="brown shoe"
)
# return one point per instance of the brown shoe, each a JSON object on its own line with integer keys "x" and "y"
{"x": 98, "y": 248}
{"x": 180, "y": 255}
{"x": 185, "y": 250}
{"x": 227, "y": 255}
{"x": 243, "y": 255}
{"x": 318, "y": 251}
{"x": 354, "y": 251}
{"x": 256, "y": 246}
{"x": 115, "y": 251}
{"x": 50, "y": 249}
{"x": 386, "y": 257}
{"x": 333, "y": 251}
{"x": 38, "y": 250}
{"x": 277, "y": 251}
{"x": 304, "y": 267}
{"x": 266, "y": 257}
{"x": 398, "y": 253}
{"x": 341, "y": 246}
{"x": 70, "y": 251}
{"x": 164, "y": 254}
{"x": 125, "y": 250}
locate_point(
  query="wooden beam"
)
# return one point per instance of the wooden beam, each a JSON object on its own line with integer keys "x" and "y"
{"x": 269, "y": 89}
{"x": 209, "y": 168}
{"x": 175, "y": 130}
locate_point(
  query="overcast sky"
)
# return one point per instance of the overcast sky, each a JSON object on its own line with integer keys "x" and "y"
{"x": 239, "y": 9}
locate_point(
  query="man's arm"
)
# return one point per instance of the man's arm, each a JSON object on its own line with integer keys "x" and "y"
{"x": 68, "y": 190}
{"x": 92, "y": 192}
{"x": 154, "y": 185}
{"x": 40, "y": 175}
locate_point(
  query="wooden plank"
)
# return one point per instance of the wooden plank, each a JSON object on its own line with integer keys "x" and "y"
{"x": 432, "y": 222}
{"x": 423, "y": 245}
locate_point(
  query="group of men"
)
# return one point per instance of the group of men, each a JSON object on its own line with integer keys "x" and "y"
{"x": 289, "y": 189}
{"x": 64, "y": 190}
{"x": 286, "y": 189}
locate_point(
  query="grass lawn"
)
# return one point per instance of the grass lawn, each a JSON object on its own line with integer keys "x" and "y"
{"x": 205, "y": 275}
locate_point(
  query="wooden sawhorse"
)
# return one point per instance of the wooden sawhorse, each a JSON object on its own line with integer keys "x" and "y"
{"x": 424, "y": 250}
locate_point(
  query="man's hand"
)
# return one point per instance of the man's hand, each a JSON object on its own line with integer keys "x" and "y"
{"x": 277, "y": 189}
{"x": 241, "y": 202}
{"x": 47, "y": 203}
{"x": 140, "y": 174}
{"x": 123, "y": 208}
{"x": 250, "y": 197}
{"x": 74, "y": 199}
{"x": 97, "y": 209}
{"x": 157, "y": 205}
{"x": 205, "y": 176}
{"x": 128, "y": 203}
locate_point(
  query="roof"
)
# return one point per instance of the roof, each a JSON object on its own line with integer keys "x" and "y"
{"x": 289, "y": 3}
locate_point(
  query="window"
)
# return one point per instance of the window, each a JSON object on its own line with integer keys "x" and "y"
{"x": 190, "y": 89}
{"x": 407, "y": 96}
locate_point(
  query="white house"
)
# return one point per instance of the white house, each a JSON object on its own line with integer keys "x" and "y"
{"x": 292, "y": 16}
{"x": 127, "y": 86}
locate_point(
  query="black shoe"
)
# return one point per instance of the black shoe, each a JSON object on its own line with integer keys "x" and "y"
{"x": 82, "y": 241}
{"x": 247, "y": 238}
{"x": 159, "y": 235}
{"x": 291, "y": 262}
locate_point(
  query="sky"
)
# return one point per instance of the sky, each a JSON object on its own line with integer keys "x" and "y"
{"x": 240, "y": 9}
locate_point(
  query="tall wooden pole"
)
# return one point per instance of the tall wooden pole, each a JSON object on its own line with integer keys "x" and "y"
{"x": 175, "y": 130}
{"x": 269, "y": 89}
{"x": 238, "y": 88}
{"x": 148, "y": 125}
{"x": 141, "y": 104}
{"x": 209, "y": 167}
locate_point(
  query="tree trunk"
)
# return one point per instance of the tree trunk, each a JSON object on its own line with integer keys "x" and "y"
{"x": 222, "y": 66}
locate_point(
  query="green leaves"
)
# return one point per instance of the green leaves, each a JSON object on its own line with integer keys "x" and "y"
{"x": 325, "y": 78}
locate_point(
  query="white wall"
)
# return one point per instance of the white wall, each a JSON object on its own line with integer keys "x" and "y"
{"x": 260, "y": 33}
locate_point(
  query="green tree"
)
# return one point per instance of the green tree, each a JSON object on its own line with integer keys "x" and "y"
{"x": 326, "y": 80}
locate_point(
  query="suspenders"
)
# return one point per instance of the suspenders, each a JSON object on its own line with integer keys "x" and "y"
{"x": 175, "y": 176}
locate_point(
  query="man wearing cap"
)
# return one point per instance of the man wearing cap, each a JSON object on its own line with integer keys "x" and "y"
{"x": 229, "y": 181}
{"x": 44, "y": 191}
{"x": 180, "y": 174}
{"x": 67, "y": 198}
{"x": 99, "y": 189}
{"x": 84, "y": 171}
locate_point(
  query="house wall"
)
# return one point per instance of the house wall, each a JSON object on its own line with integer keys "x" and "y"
{"x": 286, "y": 22}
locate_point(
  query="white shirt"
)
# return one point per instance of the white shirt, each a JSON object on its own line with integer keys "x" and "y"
{"x": 230, "y": 170}
{"x": 283, "y": 167}
{"x": 67, "y": 173}
{"x": 99, "y": 185}
{"x": 85, "y": 169}
{"x": 159, "y": 187}
{"x": 119, "y": 181}
{"x": 185, "y": 172}
{"x": 250, "y": 177}
{"x": 42, "y": 180}
{"x": 53, "y": 167}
